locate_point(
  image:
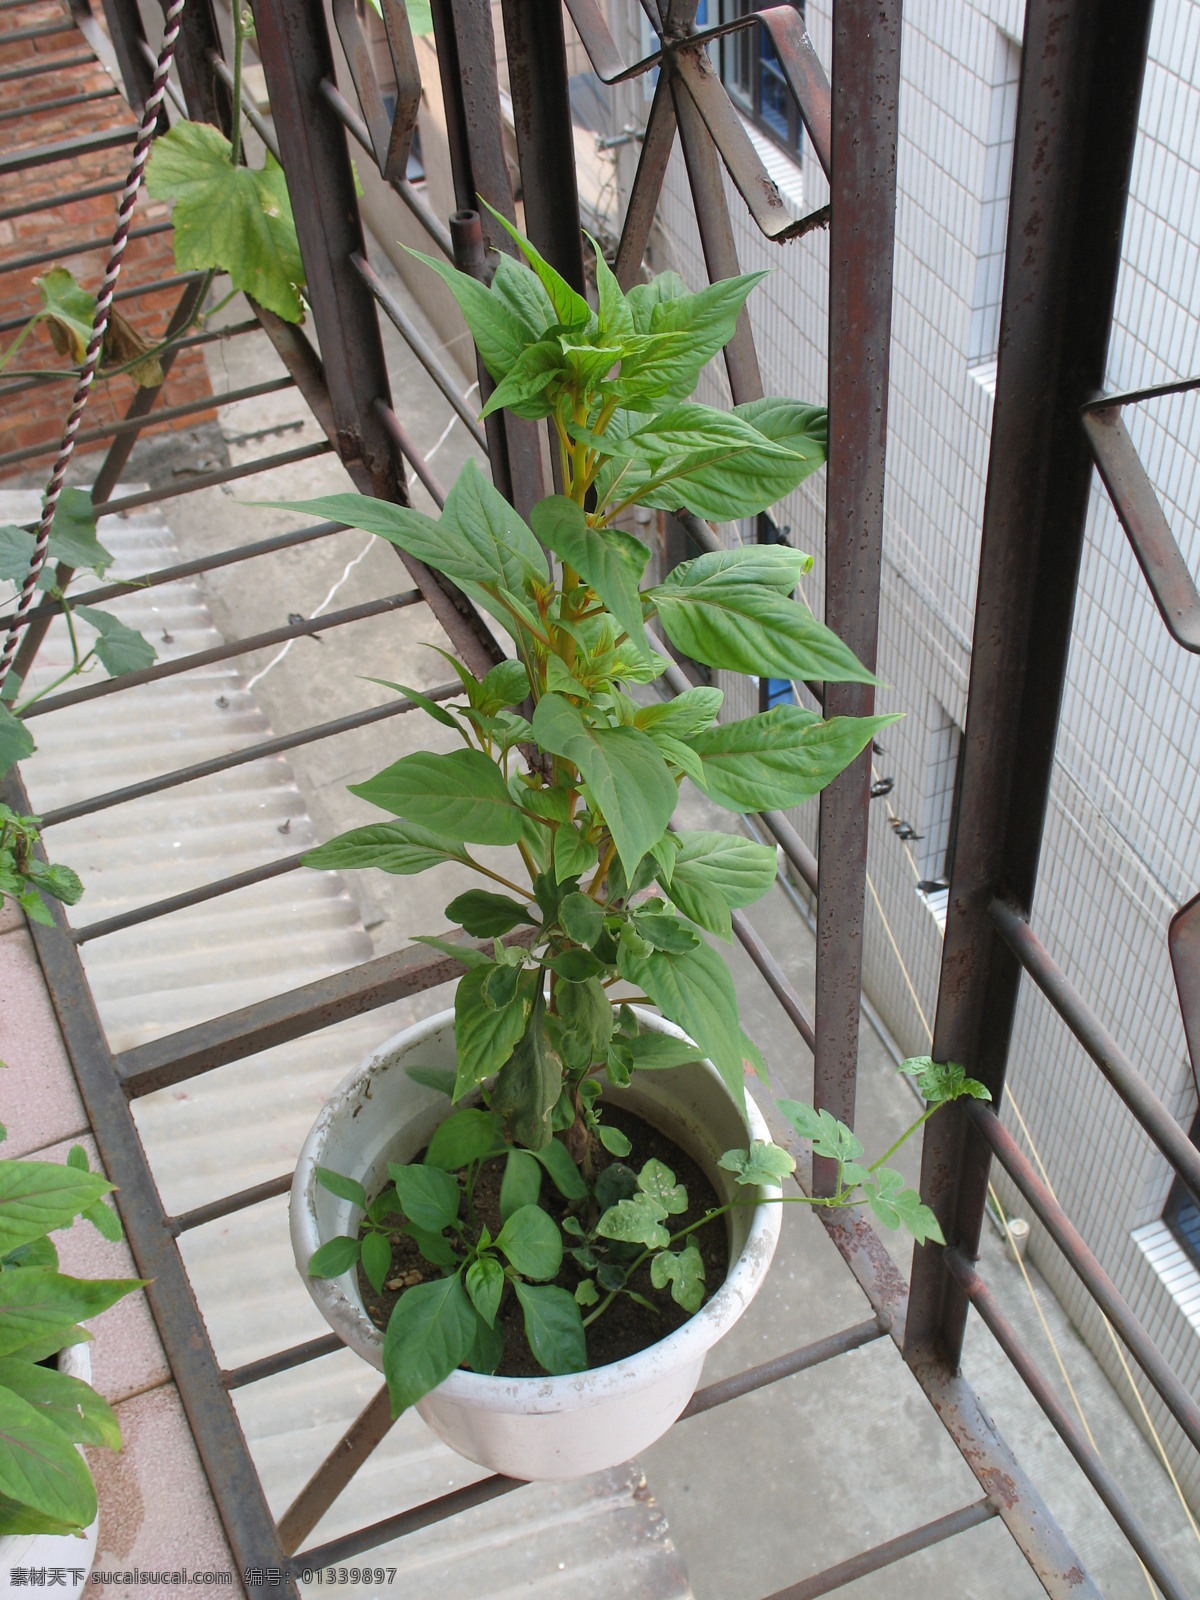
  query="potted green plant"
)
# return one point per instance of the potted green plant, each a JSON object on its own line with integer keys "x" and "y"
{"x": 47, "y": 1408}
{"x": 477, "y": 1188}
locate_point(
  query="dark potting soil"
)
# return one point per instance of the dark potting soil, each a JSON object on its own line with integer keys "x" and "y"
{"x": 625, "y": 1327}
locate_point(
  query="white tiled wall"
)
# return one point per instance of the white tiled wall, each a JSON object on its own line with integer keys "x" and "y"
{"x": 1122, "y": 845}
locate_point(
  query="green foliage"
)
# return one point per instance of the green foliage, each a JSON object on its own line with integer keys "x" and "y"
{"x": 45, "y": 1485}
{"x": 23, "y": 874}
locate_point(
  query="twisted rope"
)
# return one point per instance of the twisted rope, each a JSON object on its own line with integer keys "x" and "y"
{"x": 104, "y": 299}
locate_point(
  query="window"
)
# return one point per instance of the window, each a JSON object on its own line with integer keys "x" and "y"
{"x": 1182, "y": 1214}
{"x": 935, "y": 844}
{"x": 752, "y": 73}
{"x": 993, "y": 225}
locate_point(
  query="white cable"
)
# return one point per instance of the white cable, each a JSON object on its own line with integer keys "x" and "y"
{"x": 445, "y": 433}
{"x": 276, "y": 659}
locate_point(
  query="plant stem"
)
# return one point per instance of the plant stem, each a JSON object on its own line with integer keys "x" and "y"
{"x": 239, "y": 39}
{"x": 496, "y": 877}
{"x": 925, "y": 1118}
{"x": 602, "y": 870}
{"x": 50, "y": 687}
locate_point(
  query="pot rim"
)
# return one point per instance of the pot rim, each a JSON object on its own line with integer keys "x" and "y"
{"x": 484, "y": 1392}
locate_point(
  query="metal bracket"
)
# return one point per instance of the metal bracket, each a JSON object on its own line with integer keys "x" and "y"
{"x": 391, "y": 137}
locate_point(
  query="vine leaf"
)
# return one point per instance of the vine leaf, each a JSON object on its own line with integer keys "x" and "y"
{"x": 118, "y": 649}
{"x": 235, "y": 219}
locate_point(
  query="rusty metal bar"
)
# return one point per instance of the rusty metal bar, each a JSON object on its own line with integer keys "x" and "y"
{"x": 214, "y": 889}
{"x": 412, "y": 337}
{"x": 188, "y": 569}
{"x": 66, "y": 150}
{"x": 294, "y": 47}
{"x": 760, "y": 953}
{"x": 208, "y": 480}
{"x": 367, "y": 1430}
{"x": 234, "y": 758}
{"x": 1140, "y": 511}
{"x": 126, "y": 32}
{"x": 657, "y": 143}
{"x": 54, "y": 64}
{"x": 281, "y": 1361}
{"x": 1077, "y": 118}
{"x": 250, "y": 111}
{"x": 132, "y": 291}
{"x": 768, "y": 1372}
{"x": 866, "y": 79}
{"x": 216, "y": 1209}
{"x": 1093, "y": 1468}
{"x": 1183, "y": 1406}
{"x": 40, "y": 30}
{"x": 891, "y": 1551}
{"x": 424, "y": 1516}
{"x": 144, "y": 419}
{"x": 235, "y": 1487}
{"x": 792, "y": 845}
{"x": 223, "y": 652}
{"x": 77, "y": 246}
{"x": 189, "y": 341}
{"x": 411, "y": 454}
{"x": 12, "y": 113}
{"x": 1098, "y": 1042}
{"x": 258, "y": 1027}
{"x": 56, "y": 201}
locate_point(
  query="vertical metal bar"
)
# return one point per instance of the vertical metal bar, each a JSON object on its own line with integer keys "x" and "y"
{"x": 657, "y": 143}
{"x": 294, "y": 45}
{"x": 125, "y": 29}
{"x": 208, "y": 100}
{"x": 866, "y": 86}
{"x": 1077, "y": 115}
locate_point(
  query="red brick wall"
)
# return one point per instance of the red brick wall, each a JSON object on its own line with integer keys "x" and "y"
{"x": 79, "y": 231}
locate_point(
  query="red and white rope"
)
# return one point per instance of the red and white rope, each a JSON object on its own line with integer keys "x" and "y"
{"x": 104, "y": 299}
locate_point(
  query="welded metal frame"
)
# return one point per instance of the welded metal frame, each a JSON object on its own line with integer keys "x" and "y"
{"x": 1081, "y": 96}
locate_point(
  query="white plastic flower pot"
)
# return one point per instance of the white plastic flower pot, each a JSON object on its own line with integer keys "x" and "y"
{"x": 67, "y": 1554}
{"x": 532, "y": 1427}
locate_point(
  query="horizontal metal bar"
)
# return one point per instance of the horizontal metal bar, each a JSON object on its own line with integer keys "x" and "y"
{"x": 40, "y": 30}
{"x": 281, "y": 1361}
{"x": 409, "y": 451}
{"x": 55, "y": 201}
{"x": 776, "y": 978}
{"x": 132, "y": 291}
{"x": 792, "y": 845}
{"x": 357, "y": 128}
{"x": 1093, "y": 1468}
{"x": 238, "y": 1034}
{"x": 54, "y": 64}
{"x": 11, "y": 113}
{"x": 46, "y": 155}
{"x": 424, "y": 354}
{"x": 768, "y": 1372}
{"x": 224, "y": 652}
{"x": 1130, "y": 397}
{"x": 423, "y": 1516}
{"x": 78, "y": 246}
{"x": 891, "y": 1551}
{"x": 188, "y": 569}
{"x": 212, "y": 890}
{"x": 207, "y": 480}
{"x": 236, "y": 758}
{"x": 216, "y": 1209}
{"x": 155, "y": 419}
{"x": 355, "y": 1446}
{"x": 1098, "y": 1042}
{"x": 1182, "y": 1406}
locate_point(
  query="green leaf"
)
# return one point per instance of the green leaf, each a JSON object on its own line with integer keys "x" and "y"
{"x": 531, "y": 1241}
{"x": 762, "y": 1164}
{"x": 780, "y": 757}
{"x": 398, "y": 847}
{"x": 564, "y": 1174}
{"x": 658, "y": 1181}
{"x": 615, "y": 317}
{"x": 715, "y": 872}
{"x": 16, "y": 742}
{"x": 528, "y": 1085}
{"x": 524, "y": 388}
{"x": 684, "y": 716}
{"x": 485, "y": 915}
{"x": 638, "y": 1220}
{"x": 802, "y": 428}
{"x": 487, "y": 1348}
{"x": 105, "y": 1221}
{"x": 573, "y": 854}
{"x": 895, "y": 1204}
{"x": 520, "y": 290}
{"x": 521, "y": 1184}
{"x": 485, "y": 1038}
{"x": 582, "y": 918}
{"x": 376, "y": 1260}
{"x": 37, "y": 1197}
{"x": 345, "y": 1188}
{"x": 695, "y": 991}
{"x": 614, "y": 1141}
{"x": 334, "y": 1257}
{"x": 729, "y": 621}
{"x": 463, "y": 793}
{"x": 586, "y": 1017}
{"x": 655, "y": 1051}
{"x": 939, "y": 1082}
{"x": 465, "y": 1136}
{"x": 502, "y": 543}
{"x": 627, "y": 781}
{"x": 485, "y": 1285}
{"x": 561, "y": 525}
{"x": 40, "y": 1467}
{"x": 428, "y": 1196}
{"x": 665, "y": 932}
{"x": 70, "y": 311}
{"x": 422, "y": 702}
{"x": 500, "y": 334}
{"x": 466, "y": 954}
{"x": 71, "y": 1405}
{"x": 233, "y": 218}
{"x": 439, "y": 1078}
{"x": 430, "y": 1331}
{"x": 439, "y": 1252}
{"x": 570, "y": 308}
{"x": 118, "y": 649}
{"x": 553, "y": 1327}
{"x": 507, "y": 684}
{"x": 58, "y": 881}
{"x": 73, "y": 533}
{"x": 586, "y": 1293}
{"x": 828, "y": 1136}
{"x": 684, "y": 1271}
